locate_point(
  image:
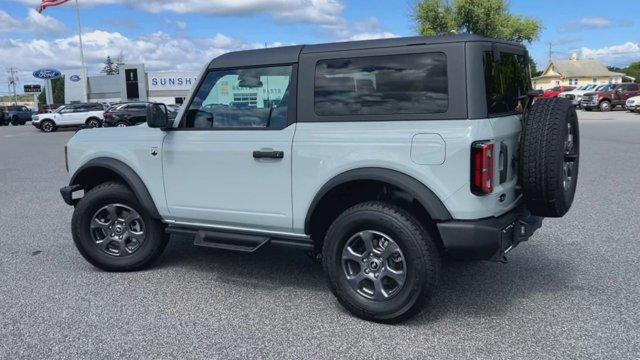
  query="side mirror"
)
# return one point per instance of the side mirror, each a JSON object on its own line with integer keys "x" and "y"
{"x": 157, "y": 116}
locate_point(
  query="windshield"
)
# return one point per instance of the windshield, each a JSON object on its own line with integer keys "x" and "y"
{"x": 59, "y": 109}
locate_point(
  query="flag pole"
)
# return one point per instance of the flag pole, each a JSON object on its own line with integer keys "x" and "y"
{"x": 84, "y": 69}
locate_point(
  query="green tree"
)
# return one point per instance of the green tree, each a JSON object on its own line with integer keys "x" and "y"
{"x": 110, "y": 68}
{"x": 489, "y": 18}
{"x": 58, "y": 92}
{"x": 632, "y": 70}
{"x": 534, "y": 68}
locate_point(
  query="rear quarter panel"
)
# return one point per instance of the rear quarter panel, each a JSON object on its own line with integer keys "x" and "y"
{"x": 325, "y": 150}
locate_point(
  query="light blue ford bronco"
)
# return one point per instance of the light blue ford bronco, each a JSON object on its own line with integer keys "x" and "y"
{"x": 380, "y": 157}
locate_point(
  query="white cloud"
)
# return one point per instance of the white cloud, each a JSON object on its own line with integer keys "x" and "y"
{"x": 616, "y": 55}
{"x": 298, "y": 11}
{"x": 34, "y": 23}
{"x": 369, "y": 28}
{"x": 179, "y": 25}
{"x": 595, "y": 23}
{"x": 158, "y": 51}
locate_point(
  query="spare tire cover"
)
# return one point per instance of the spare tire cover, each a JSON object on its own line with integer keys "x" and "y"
{"x": 549, "y": 157}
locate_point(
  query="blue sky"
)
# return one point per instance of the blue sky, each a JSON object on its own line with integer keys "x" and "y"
{"x": 184, "y": 34}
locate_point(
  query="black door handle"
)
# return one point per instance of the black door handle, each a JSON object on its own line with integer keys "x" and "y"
{"x": 268, "y": 154}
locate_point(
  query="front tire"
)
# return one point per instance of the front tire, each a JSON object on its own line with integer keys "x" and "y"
{"x": 48, "y": 126}
{"x": 381, "y": 263}
{"x": 605, "y": 106}
{"x": 15, "y": 121}
{"x": 121, "y": 124}
{"x": 114, "y": 232}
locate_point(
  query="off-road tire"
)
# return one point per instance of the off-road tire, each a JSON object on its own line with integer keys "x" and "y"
{"x": 417, "y": 244}
{"x": 543, "y": 155}
{"x": 109, "y": 193}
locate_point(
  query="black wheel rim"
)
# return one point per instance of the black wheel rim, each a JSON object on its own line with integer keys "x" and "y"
{"x": 117, "y": 230}
{"x": 374, "y": 265}
{"x": 47, "y": 126}
{"x": 570, "y": 158}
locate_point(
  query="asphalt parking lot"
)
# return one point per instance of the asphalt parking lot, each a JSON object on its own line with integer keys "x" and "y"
{"x": 572, "y": 292}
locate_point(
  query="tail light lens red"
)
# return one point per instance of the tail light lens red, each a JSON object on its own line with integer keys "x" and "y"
{"x": 482, "y": 168}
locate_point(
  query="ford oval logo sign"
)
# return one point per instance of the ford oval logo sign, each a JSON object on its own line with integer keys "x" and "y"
{"x": 74, "y": 78}
{"x": 47, "y": 74}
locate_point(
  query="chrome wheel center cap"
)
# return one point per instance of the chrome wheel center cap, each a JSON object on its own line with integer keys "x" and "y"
{"x": 374, "y": 264}
{"x": 118, "y": 229}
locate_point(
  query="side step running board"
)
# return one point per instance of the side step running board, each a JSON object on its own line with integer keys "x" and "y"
{"x": 236, "y": 241}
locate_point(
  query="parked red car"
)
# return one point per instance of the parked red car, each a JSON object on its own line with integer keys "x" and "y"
{"x": 555, "y": 91}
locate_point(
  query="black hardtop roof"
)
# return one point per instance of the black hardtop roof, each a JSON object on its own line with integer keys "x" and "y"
{"x": 290, "y": 54}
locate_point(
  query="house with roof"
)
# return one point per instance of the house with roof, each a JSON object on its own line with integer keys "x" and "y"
{"x": 576, "y": 72}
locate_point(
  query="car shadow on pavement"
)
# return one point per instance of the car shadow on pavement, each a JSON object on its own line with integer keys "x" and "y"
{"x": 467, "y": 289}
{"x": 481, "y": 289}
{"x": 268, "y": 268}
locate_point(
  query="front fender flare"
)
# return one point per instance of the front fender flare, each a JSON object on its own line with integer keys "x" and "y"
{"x": 127, "y": 174}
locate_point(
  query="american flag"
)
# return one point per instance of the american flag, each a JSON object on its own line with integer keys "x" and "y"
{"x": 47, "y": 3}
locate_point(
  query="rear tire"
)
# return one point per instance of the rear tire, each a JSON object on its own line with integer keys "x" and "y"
{"x": 94, "y": 123}
{"x": 549, "y": 157}
{"x": 114, "y": 232}
{"x": 409, "y": 247}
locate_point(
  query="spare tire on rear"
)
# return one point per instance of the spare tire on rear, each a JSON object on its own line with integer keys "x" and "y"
{"x": 549, "y": 157}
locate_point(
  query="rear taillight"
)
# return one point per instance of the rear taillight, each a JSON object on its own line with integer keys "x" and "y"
{"x": 482, "y": 168}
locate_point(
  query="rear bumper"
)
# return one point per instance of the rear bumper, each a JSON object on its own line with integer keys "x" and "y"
{"x": 488, "y": 239}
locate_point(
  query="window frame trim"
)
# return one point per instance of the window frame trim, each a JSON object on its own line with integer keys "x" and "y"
{"x": 291, "y": 111}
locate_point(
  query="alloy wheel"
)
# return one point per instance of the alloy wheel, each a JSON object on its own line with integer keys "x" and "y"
{"x": 374, "y": 265}
{"x": 570, "y": 158}
{"x": 117, "y": 230}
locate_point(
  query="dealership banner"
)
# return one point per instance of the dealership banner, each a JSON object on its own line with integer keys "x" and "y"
{"x": 171, "y": 80}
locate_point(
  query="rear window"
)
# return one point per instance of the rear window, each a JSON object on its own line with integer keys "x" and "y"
{"x": 506, "y": 80}
{"x": 382, "y": 85}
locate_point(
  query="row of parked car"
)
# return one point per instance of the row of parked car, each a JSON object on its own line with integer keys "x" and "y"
{"x": 599, "y": 97}
{"x": 96, "y": 115}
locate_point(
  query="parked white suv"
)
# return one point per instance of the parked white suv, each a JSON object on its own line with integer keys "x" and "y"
{"x": 379, "y": 156}
{"x": 74, "y": 115}
{"x": 632, "y": 103}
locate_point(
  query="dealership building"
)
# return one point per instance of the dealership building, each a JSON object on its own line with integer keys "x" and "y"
{"x": 133, "y": 83}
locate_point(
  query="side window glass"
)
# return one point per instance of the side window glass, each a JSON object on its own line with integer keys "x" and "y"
{"x": 242, "y": 98}
{"x": 382, "y": 85}
{"x": 67, "y": 110}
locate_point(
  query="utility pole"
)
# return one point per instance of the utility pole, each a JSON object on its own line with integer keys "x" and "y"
{"x": 13, "y": 81}
{"x": 550, "y": 52}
